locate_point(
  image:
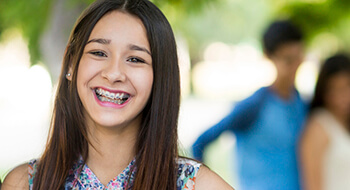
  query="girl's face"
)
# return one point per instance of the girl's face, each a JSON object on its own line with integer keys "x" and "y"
{"x": 115, "y": 74}
{"x": 337, "y": 97}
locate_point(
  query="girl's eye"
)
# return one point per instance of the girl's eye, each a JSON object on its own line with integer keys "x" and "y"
{"x": 98, "y": 53}
{"x": 135, "y": 60}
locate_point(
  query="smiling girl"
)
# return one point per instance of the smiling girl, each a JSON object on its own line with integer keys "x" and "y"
{"x": 114, "y": 124}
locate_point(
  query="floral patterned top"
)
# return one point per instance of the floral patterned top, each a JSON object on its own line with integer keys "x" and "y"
{"x": 80, "y": 177}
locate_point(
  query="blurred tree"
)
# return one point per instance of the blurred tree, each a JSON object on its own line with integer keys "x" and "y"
{"x": 29, "y": 16}
{"x": 230, "y": 21}
{"x": 47, "y": 23}
{"x": 324, "y": 22}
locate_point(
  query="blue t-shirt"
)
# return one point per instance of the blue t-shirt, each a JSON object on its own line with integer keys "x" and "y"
{"x": 267, "y": 130}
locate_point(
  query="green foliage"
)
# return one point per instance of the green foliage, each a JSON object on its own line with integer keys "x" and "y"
{"x": 30, "y": 16}
{"x": 228, "y": 21}
{"x": 87, "y": 2}
{"x": 185, "y": 6}
{"x": 319, "y": 16}
{"x": 200, "y": 21}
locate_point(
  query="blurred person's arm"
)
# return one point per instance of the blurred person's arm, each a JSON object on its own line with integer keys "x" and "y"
{"x": 312, "y": 148}
{"x": 239, "y": 120}
{"x": 17, "y": 179}
{"x": 209, "y": 136}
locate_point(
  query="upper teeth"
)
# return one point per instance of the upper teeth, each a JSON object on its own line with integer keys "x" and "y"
{"x": 111, "y": 95}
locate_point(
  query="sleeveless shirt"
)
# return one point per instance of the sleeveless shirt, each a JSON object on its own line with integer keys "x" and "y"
{"x": 336, "y": 165}
{"x": 81, "y": 177}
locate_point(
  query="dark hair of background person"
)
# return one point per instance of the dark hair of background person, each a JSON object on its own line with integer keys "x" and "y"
{"x": 334, "y": 65}
{"x": 156, "y": 146}
{"x": 279, "y": 33}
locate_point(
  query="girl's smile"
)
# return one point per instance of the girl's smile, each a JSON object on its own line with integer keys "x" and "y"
{"x": 109, "y": 98}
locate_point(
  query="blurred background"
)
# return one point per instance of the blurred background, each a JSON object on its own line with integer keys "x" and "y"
{"x": 221, "y": 62}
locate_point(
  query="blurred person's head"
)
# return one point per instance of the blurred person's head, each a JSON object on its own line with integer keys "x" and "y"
{"x": 333, "y": 86}
{"x": 283, "y": 45}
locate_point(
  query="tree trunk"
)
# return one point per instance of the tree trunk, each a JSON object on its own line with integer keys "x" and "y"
{"x": 54, "y": 40}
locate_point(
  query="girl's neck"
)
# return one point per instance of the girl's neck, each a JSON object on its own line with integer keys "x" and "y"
{"x": 111, "y": 150}
{"x": 115, "y": 146}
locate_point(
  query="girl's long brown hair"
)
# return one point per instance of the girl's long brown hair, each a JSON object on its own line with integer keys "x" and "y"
{"x": 334, "y": 65}
{"x": 157, "y": 149}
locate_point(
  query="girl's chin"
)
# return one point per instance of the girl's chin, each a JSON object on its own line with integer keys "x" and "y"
{"x": 114, "y": 124}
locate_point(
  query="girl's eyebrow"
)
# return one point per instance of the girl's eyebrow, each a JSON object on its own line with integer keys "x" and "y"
{"x": 138, "y": 48}
{"x": 99, "y": 40}
{"x": 107, "y": 41}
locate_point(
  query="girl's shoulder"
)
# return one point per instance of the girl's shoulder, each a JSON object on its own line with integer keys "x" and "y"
{"x": 17, "y": 178}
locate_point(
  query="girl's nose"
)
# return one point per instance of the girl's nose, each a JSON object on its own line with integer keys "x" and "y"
{"x": 114, "y": 71}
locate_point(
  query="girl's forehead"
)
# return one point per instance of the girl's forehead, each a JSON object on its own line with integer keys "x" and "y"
{"x": 117, "y": 25}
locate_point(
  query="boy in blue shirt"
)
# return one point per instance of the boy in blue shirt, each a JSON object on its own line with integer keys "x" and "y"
{"x": 267, "y": 125}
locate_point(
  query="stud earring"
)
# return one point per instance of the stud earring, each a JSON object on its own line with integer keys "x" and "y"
{"x": 68, "y": 75}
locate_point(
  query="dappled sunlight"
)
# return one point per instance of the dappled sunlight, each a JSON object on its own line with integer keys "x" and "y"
{"x": 231, "y": 72}
{"x": 306, "y": 77}
{"x": 24, "y": 104}
{"x": 184, "y": 65}
{"x": 14, "y": 50}
{"x": 235, "y": 72}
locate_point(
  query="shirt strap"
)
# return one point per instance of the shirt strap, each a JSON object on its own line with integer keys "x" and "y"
{"x": 32, "y": 167}
{"x": 187, "y": 173}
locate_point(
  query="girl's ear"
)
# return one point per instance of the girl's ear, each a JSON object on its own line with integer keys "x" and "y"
{"x": 70, "y": 70}
{"x": 69, "y": 74}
